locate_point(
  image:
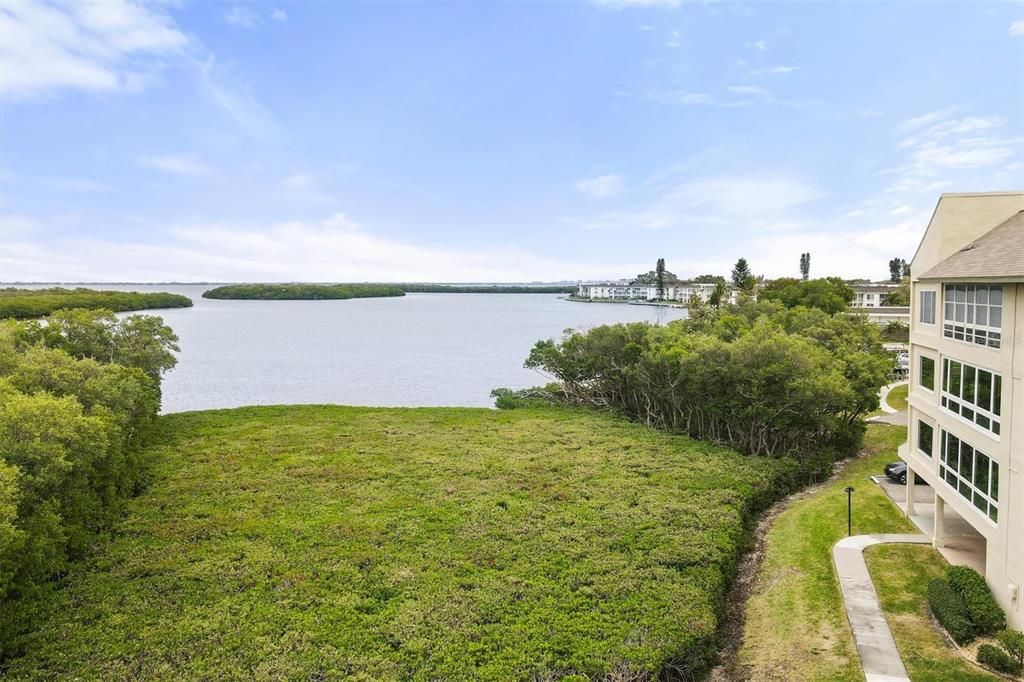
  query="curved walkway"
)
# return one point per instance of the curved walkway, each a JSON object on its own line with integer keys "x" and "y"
{"x": 883, "y": 397}
{"x": 879, "y": 657}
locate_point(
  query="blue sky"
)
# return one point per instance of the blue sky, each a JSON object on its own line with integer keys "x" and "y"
{"x": 493, "y": 142}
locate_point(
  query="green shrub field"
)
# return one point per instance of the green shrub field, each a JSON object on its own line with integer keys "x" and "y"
{"x": 324, "y": 542}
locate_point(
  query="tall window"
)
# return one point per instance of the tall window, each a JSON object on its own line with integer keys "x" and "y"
{"x": 973, "y": 393}
{"x": 925, "y": 436}
{"x": 973, "y": 313}
{"x": 971, "y": 473}
{"x": 927, "y": 377}
{"x": 927, "y": 307}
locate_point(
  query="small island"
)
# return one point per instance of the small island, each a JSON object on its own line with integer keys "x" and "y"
{"x": 22, "y": 304}
{"x": 301, "y": 292}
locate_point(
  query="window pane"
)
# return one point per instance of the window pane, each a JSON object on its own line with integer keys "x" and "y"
{"x": 981, "y": 472}
{"x": 995, "y": 296}
{"x": 966, "y": 461}
{"x": 954, "y": 377}
{"x": 959, "y": 294}
{"x": 928, "y": 373}
{"x": 982, "y": 294}
{"x": 993, "y": 490}
{"x": 968, "y": 381}
{"x": 997, "y": 395}
{"x": 995, "y": 317}
{"x": 984, "y": 392}
{"x": 981, "y": 317}
{"x": 924, "y": 437}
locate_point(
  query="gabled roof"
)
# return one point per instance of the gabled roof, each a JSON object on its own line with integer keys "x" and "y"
{"x": 999, "y": 253}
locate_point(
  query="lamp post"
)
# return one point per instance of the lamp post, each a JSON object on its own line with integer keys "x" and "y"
{"x": 849, "y": 510}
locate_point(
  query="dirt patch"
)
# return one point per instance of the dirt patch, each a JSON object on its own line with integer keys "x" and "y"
{"x": 731, "y": 629}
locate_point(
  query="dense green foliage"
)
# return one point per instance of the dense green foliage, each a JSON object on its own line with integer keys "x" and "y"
{"x": 998, "y": 660}
{"x": 487, "y": 288}
{"x": 982, "y": 608}
{"x": 28, "y": 303}
{"x": 1013, "y": 642}
{"x": 951, "y": 611}
{"x": 296, "y": 292}
{"x": 829, "y": 294}
{"x": 759, "y": 378}
{"x": 900, "y": 296}
{"x": 742, "y": 276}
{"x": 342, "y": 291}
{"x": 314, "y": 542}
{"x": 805, "y": 266}
{"x": 77, "y": 396}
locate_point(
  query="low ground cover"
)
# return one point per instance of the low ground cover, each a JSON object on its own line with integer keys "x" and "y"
{"x": 796, "y": 625}
{"x": 316, "y": 542}
{"x": 27, "y": 303}
{"x": 897, "y": 397}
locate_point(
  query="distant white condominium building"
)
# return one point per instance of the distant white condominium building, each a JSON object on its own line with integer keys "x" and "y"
{"x": 681, "y": 292}
{"x": 871, "y": 295}
{"x": 965, "y": 433}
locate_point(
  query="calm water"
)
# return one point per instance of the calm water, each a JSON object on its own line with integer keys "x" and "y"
{"x": 417, "y": 350}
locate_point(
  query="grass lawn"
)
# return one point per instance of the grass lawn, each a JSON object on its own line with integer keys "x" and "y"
{"x": 897, "y": 397}
{"x": 321, "y": 542}
{"x": 796, "y": 625}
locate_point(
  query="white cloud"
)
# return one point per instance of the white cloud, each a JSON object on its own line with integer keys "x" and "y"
{"x": 278, "y": 14}
{"x": 83, "y": 185}
{"x": 900, "y": 210}
{"x": 242, "y": 17}
{"x": 941, "y": 148}
{"x": 781, "y": 69}
{"x": 93, "y": 46}
{"x": 330, "y": 250}
{"x": 734, "y": 204}
{"x": 1017, "y": 28}
{"x": 601, "y": 186}
{"x": 298, "y": 181}
{"x": 183, "y": 164}
{"x": 746, "y": 89}
{"x": 627, "y": 4}
{"x": 758, "y": 45}
{"x": 235, "y": 99}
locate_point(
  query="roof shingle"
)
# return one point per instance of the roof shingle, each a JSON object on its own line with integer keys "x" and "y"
{"x": 997, "y": 253}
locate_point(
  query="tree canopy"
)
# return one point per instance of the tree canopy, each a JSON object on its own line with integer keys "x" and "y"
{"x": 829, "y": 294}
{"x": 78, "y": 394}
{"x": 742, "y": 278}
{"x": 761, "y": 378}
{"x": 27, "y": 303}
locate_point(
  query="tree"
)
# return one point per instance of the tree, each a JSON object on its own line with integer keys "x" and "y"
{"x": 742, "y": 277}
{"x": 900, "y": 296}
{"x": 906, "y": 269}
{"x": 659, "y": 271}
{"x": 708, "y": 279}
{"x": 805, "y": 265}
{"x": 830, "y": 294}
{"x": 896, "y": 268}
{"x": 718, "y": 294}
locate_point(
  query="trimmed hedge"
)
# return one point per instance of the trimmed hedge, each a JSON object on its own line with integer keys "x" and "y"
{"x": 997, "y": 659}
{"x": 981, "y": 605}
{"x": 1013, "y": 642}
{"x": 951, "y": 611}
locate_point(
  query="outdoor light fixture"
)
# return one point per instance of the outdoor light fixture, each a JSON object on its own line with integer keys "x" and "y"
{"x": 849, "y": 510}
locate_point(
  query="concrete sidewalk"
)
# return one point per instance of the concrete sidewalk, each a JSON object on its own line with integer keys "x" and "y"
{"x": 879, "y": 657}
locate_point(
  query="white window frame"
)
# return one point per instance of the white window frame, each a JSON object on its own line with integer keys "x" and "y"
{"x": 994, "y": 419}
{"x": 962, "y": 300}
{"x": 936, "y": 372}
{"x": 952, "y": 475}
{"x": 917, "y": 440}
{"x": 930, "y": 293}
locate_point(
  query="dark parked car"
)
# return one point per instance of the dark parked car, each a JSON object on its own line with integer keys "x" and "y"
{"x": 897, "y": 471}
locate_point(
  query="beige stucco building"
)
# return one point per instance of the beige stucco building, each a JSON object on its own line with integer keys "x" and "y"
{"x": 966, "y": 417}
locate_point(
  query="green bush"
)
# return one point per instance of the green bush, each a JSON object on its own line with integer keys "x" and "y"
{"x": 998, "y": 660}
{"x": 1013, "y": 642}
{"x": 761, "y": 378}
{"x": 77, "y": 397}
{"x": 981, "y": 605}
{"x": 951, "y": 611}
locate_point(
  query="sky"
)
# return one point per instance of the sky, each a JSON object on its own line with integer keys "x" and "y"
{"x": 487, "y": 141}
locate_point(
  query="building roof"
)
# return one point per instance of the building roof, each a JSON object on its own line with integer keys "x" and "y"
{"x": 999, "y": 253}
